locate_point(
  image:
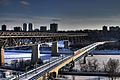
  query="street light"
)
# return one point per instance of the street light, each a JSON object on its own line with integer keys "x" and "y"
{"x": 26, "y": 70}
{"x": 36, "y": 67}
{"x": 49, "y": 61}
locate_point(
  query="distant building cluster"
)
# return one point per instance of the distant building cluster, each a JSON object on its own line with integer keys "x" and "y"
{"x": 53, "y": 28}
{"x": 107, "y": 33}
{"x": 111, "y": 28}
{"x": 29, "y": 27}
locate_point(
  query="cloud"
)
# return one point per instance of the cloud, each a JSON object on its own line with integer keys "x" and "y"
{"x": 24, "y": 2}
{"x": 56, "y": 19}
{"x": 4, "y": 2}
{"x": 7, "y": 21}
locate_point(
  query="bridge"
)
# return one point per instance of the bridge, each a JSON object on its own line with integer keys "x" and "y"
{"x": 10, "y": 38}
{"x": 53, "y": 67}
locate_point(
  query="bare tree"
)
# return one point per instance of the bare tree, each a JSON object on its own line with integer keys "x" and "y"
{"x": 93, "y": 65}
{"x": 112, "y": 67}
{"x": 84, "y": 67}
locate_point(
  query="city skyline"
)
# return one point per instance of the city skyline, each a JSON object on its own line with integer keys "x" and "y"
{"x": 69, "y": 14}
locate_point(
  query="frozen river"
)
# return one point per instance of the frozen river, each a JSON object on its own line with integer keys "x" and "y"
{"x": 17, "y": 56}
{"x": 26, "y": 54}
{"x": 45, "y": 53}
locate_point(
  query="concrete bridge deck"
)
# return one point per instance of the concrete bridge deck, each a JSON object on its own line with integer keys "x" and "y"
{"x": 54, "y": 66}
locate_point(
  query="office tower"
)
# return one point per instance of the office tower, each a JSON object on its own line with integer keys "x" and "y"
{"x": 104, "y": 28}
{"x": 24, "y": 27}
{"x": 3, "y": 28}
{"x": 112, "y": 28}
{"x": 17, "y": 29}
{"x": 30, "y": 27}
{"x": 53, "y": 27}
{"x": 43, "y": 28}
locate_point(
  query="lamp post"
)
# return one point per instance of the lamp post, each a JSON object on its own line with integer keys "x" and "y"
{"x": 49, "y": 62}
{"x": 26, "y": 70}
{"x": 18, "y": 75}
{"x": 36, "y": 67}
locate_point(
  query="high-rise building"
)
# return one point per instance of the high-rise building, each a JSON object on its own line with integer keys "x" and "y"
{"x": 104, "y": 28}
{"x": 17, "y": 29}
{"x": 53, "y": 27}
{"x": 30, "y": 27}
{"x": 112, "y": 28}
{"x": 24, "y": 27}
{"x": 43, "y": 28}
{"x": 3, "y": 28}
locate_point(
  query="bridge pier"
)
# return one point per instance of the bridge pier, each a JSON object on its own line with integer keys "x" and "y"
{"x": 66, "y": 44}
{"x": 35, "y": 54}
{"x": 55, "y": 49}
{"x": 84, "y": 59}
{"x": 1, "y": 54}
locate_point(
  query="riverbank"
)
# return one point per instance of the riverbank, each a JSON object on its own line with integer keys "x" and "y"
{"x": 101, "y": 59}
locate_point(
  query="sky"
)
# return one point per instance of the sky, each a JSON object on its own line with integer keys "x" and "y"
{"x": 69, "y": 14}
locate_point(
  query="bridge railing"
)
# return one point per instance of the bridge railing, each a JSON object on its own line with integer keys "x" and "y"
{"x": 33, "y": 70}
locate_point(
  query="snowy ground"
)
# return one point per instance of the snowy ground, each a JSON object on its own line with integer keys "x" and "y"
{"x": 101, "y": 59}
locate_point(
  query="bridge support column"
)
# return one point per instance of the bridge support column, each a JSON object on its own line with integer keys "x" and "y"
{"x": 84, "y": 60}
{"x": 1, "y": 54}
{"x": 35, "y": 54}
{"x": 55, "y": 49}
{"x": 66, "y": 44}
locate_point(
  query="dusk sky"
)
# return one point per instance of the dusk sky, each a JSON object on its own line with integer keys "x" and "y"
{"x": 69, "y": 14}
